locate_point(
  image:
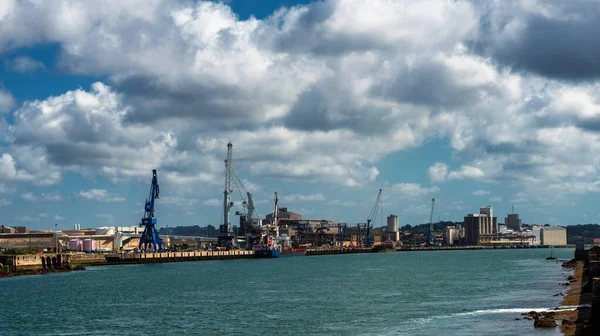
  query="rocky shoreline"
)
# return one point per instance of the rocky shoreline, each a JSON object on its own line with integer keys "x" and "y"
{"x": 571, "y": 321}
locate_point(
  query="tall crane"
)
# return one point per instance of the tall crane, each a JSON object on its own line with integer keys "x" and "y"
{"x": 430, "y": 239}
{"x": 150, "y": 235}
{"x": 372, "y": 216}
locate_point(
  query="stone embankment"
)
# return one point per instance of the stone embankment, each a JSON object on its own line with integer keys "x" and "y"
{"x": 583, "y": 293}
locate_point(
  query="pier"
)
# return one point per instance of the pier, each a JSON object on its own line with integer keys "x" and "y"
{"x": 160, "y": 257}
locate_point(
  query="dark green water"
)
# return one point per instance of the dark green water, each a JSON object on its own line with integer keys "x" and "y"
{"x": 403, "y": 293}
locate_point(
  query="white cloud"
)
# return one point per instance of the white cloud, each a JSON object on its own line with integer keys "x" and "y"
{"x": 5, "y": 202}
{"x": 213, "y": 202}
{"x": 43, "y": 215}
{"x": 467, "y": 172}
{"x": 58, "y": 218}
{"x": 328, "y": 89}
{"x": 24, "y": 64}
{"x": 303, "y": 198}
{"x": 100, "y": 195}
{"x": 438, "y": 172}
{"x": 44, "y": 197}
{"x": 6, "y": 101}
{"x": 411, "y": 190}
{"x": 480, "y": 192}
{"x": 189, "y": 213}
{"x": 496, "y": 199}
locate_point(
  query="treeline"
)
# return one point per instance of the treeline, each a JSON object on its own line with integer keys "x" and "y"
{"x": 587, "y": 232}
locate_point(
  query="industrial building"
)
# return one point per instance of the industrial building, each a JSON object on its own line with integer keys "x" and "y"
{"x": 513, "y": 222}
{"x": 554, "y": 235}
{"x": 478, "y": 225}
{"x": 391, "y": 232}
{"x": 453, "y": 234}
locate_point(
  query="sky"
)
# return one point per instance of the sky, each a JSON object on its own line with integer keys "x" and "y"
{"x": 472, "y": 103}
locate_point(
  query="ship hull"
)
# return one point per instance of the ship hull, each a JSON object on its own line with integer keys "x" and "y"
{"x": 293, "y": 252}
{"x": 267, "y": 253}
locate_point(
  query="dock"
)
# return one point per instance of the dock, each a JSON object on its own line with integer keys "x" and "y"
{"x": 337, "y": 250}
{"x": 160, "y": 257}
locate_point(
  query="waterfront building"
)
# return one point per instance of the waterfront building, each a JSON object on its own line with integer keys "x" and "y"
{"x": 477, "y": 225}
{"x": 536, "y": 231}
{"x": 554, "y": 235}
{"x": 452, "y": 235}
{"x": 391, "y": 232}
{"x": 513, "y": 222}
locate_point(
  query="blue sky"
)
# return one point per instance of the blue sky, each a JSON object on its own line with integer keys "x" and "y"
{"x": 325, "y": 102}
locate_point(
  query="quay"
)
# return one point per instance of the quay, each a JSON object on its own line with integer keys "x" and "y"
{"x": 337, "y": 250}
{"x": 160, "y": 257}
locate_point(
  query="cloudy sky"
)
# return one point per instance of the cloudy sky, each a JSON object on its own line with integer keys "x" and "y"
{"x": 474, "y": 103}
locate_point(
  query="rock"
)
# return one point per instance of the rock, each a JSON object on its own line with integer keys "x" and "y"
{"x": 568, "y": 322}
{"x": 517, "y": 319}
{"x": 545, "y": 323}
{"x": 533, "y": 312}
{"x": 79, "y": 268}
{"x": 570, "y": 277}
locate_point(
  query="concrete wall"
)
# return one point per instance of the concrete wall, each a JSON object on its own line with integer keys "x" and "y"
{"x": 26, "y": 241}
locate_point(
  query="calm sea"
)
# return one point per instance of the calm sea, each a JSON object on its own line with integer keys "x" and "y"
{"x": 403, "y": 293}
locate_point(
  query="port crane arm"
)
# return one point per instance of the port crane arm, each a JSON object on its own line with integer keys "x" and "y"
{"x": 150, "y": 235}
{"x": 372, "y": 216}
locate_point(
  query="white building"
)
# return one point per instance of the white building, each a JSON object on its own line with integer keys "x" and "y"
{"x": 554, "y": 235}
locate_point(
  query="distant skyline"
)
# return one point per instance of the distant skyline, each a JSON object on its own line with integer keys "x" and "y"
{"x": 474, "y": 103}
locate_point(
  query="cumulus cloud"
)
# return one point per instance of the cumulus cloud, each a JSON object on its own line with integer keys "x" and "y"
{"x": 316, "y": 93}
{"x": 549, "y": 38}
{"x": 413, "y": 190}
{"x": 438, "y": 172}
{"x": 5, "y": 202}
{"x": 59, "y": 218}
{"x": 100, "y": 195}
{"x": 496, "y": 199}
{"x": 303, "y": 198}
{"x": 44, "y": 197}
{"x": 480, "y": 192}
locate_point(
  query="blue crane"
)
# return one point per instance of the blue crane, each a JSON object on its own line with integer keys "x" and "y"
{"x": 150, "y": 235}
{"x": 373, "y": 215}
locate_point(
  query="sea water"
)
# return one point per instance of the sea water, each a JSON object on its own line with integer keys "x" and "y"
{"x": 403, "y": 293}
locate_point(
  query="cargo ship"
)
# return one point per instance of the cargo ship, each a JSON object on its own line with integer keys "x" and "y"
{"x": 293, "y": 252}
{"x": 267, "y": 248}
{"x": 289, "y": 249}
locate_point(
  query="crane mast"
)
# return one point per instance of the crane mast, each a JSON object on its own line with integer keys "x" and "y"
{"x": 372, "y": 216}
{"x": 150, "y": 235}
{"x": 226, "y": 238}
{"x": 430, "y": 239}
